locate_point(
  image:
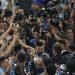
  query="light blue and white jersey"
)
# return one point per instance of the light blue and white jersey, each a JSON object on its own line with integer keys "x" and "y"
{"x": 1, "y": 71}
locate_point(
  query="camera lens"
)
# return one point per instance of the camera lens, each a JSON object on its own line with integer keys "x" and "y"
{"x": 15, "y": 25}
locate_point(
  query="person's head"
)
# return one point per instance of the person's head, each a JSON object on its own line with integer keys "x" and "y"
{"x": 8, "y": 15}
{"x": 32, "y": 21}
{"x": 39, "y": 65}
{"x": 3, "y": 25}
{"x": 69, "y": 34}
{"x": 39, "y": 21}
{"x": 39, "y": 47}
{"x": 35, "y": 34}
{"x": 4, "y": 62}
{"x": 57, "y": 48}
{"x": 36, "y": 5}
{"x": 17, "y": 70}
{"x": 55, "y": 28}
{"x": 19, "y": 19}
{"x": 62, "y": 43}
{"x": 17, "y": 48}
{"x": 21, "y": 56}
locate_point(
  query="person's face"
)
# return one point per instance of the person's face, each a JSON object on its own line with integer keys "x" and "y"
{"x": 36, "y": 35}
{"x": 22, "y": 22}
{"x": 39, "y": 21}
{"x": 69, "y": 34}
{"x": 35, "y": 7}
{"x": 54, "y": 30}
{"x": 3, "y": 25}
{"x": 39, "y": 49}
{"x": 30, "y": 17}
{"x": 32, "y": 23}
{"x": 3, "y": 28}
{"x": 5, "y": 63}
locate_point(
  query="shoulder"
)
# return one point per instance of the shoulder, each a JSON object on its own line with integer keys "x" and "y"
{"x": 45, "y": 55}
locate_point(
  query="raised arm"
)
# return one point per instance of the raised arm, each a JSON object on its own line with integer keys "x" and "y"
{"x": 32, "y": 52}
{"x": 6, "y": 33}
{"x": 73, "y": 11}
{"x": 9, "y": 49}
{"x": 72, "y": 15}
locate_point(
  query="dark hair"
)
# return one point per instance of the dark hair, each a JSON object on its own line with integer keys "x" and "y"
{"x": 35, "y": 30}
{"x": 17, "y": 70}
{"x": 54, "y": 22}
{"x": 18, "y": 17}
{"x": 39, "y": 43}
{"x": 57, "y": 48}
{"x": 69, "y": 28}
{"x": 2, "y": 59}
{"x": 51, "y": 70}
{"x": 17, "y": 48}
{"x": 21, "y": 56}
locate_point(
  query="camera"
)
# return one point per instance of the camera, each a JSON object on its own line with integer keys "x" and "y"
{"x": 16, "y": 27}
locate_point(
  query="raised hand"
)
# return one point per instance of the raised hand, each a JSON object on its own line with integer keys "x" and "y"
{"x": 15, "y": 36}
{"x": 11, "y": 26}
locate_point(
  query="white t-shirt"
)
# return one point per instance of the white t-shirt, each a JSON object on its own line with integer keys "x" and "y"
{"x": 4, "y": 4}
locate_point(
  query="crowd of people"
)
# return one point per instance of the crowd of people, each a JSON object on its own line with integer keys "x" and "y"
{"x": 39, "y": 41}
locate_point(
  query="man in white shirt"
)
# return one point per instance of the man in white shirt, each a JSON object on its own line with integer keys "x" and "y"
{"x": 4, "y": 4}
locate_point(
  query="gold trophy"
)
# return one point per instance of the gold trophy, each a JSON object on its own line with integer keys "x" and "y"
{"x": 16, "y": 27}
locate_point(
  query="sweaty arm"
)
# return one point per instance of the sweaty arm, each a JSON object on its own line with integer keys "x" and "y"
{"x": 7, "y": 32}
{"x": 32, "y": 53}
{"x": 4, "y": 35}
{"x": 9, "y": 49}
{"x": 73, "y": 10}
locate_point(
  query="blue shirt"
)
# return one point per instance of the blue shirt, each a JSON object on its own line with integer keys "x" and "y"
{"x": 1, "y": 71}
{"x": 33, "y": 41}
